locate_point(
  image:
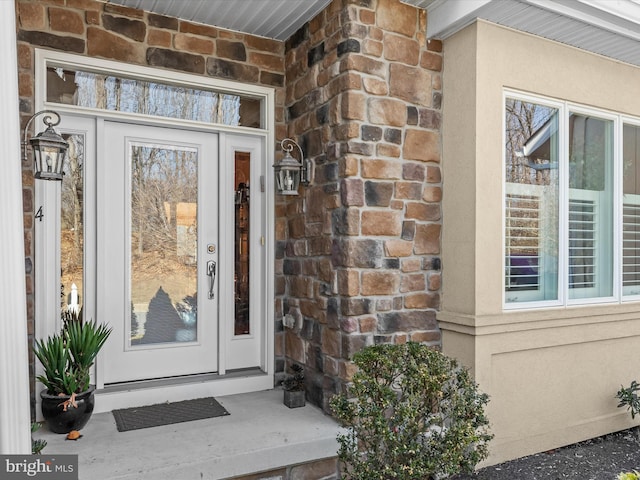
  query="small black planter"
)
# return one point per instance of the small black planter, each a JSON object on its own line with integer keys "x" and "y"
{"x": 60, "y": 421}
{"x": 294, "y": 398}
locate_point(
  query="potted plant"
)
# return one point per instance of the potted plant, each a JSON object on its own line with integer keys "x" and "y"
{"x": 67, "y": 357}
{"x": 294, "y": 391}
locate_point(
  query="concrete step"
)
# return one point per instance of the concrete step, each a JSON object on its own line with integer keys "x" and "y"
{"x": 259, "y": 435}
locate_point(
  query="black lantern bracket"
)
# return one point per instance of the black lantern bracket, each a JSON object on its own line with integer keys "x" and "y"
{"x": 49, "y": 148}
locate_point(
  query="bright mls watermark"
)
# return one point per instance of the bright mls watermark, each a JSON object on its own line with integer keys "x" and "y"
{"x": 51, "y": 467}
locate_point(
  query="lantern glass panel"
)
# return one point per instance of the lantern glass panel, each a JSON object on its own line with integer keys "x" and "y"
{"x": 288, "y": 181}
{"x": 49, "y": 161}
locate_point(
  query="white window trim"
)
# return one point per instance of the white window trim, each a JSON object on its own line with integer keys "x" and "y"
{"x": 47, "y": 58}
{"x": 616, "y": 204}
{"x": 562, "y": 171}
{"x": 565, "y": 108}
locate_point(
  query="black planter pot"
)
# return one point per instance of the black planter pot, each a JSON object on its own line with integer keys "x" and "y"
{"x": 61, "y": 421}
{"x": 294, "y": 398}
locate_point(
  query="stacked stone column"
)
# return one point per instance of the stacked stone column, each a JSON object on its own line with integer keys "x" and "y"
{"x": 361, "y": 261}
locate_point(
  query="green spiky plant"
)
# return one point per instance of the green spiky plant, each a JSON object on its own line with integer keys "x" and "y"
{"x": 37, "y": 445}
{"x": 410, "y": 413}
{"x": 67, "y": 356}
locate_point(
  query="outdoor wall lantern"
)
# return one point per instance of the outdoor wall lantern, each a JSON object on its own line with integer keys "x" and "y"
{"x": 289, "y": 172}
{"x": 49, "y": 149}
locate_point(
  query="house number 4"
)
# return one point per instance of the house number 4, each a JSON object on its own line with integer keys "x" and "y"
{"x": 39, "y": 213}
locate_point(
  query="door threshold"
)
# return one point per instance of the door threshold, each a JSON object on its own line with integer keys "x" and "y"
{"x": 175, "y": 389}
{"x": 179, "y": 380}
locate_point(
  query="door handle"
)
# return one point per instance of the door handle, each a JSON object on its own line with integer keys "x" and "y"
{"x": 211, "y": 273}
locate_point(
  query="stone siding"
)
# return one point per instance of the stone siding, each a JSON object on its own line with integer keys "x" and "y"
{"x": 359, "y": 86}
{"x": 360, "y": 263}
{"x": 326, "y": 469}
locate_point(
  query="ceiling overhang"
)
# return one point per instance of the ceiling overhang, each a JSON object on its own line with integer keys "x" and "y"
{"x": 607, "y": 27}
{"x": 276, "y": 19}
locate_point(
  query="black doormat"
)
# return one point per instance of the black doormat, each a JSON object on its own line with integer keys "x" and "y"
{"x": 167, "y": 413}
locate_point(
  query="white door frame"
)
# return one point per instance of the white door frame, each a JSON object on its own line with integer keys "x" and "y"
{"x": 46, "y": 236}
{"x": 237, "y": 349}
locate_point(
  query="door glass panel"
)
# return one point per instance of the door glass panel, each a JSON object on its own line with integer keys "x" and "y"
{"x": 164, "y": 226}
{"x": 72, "y": 226}
{"x": 241, "y": 275}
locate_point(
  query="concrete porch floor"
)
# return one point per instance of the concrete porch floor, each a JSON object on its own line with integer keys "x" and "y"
{"x": 260, "y": 434}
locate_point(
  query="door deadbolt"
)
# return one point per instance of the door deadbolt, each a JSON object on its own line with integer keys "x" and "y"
{"x": 211, "y": 248}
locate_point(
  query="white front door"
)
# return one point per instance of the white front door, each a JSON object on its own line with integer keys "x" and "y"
{"x": 129, "y": 234}
{"x": 157, "y": 248}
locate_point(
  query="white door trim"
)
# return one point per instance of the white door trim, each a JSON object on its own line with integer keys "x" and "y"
{"x": 238, "y": 350}
{"x": 47, "y": 265}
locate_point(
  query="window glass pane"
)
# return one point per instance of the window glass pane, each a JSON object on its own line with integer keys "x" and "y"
{"x": 72, "y": 225}
{"x": 107, "y": 92}
{"x": 531, "y": 202}
{"x": 241, "y": 276}
{"x": 590, "y": 207}
{"x": 631, "y": 211}
{"x": 163, "y": 244}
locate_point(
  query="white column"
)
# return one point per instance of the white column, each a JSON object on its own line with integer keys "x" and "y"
{"x": 15, "y": 436}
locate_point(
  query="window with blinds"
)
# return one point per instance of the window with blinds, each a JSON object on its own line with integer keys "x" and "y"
{"x": 631, "y": 248}
{"x": 560, "y": 206}
{"x": 522, "y": 242}
{"x": 631, "y": 210}
{"x": 531, "y": 201}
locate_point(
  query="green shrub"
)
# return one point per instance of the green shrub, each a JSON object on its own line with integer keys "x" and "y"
{"x": 629, "y": 397}
{"x": 410, "y": 413}
{"x": 629, "y": 476}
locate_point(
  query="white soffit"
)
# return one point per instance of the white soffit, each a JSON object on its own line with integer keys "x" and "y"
{"x": 607, "y": 27}
{"x": 277, "y": 19}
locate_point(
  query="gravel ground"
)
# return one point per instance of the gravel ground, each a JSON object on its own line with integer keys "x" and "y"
{"x": 601, "y": 458}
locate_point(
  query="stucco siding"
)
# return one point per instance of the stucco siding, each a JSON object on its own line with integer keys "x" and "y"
{"x": 552, "y": 374}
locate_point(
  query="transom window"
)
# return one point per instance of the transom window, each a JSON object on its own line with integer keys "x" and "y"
{"x": 572, "y": 204}
{"x": 135, "y": 95}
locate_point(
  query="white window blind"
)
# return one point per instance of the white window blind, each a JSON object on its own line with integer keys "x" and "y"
{"x": 582, "y": 243}
{"x": 522, "y": 242}
{"x": 631, "y": 245}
